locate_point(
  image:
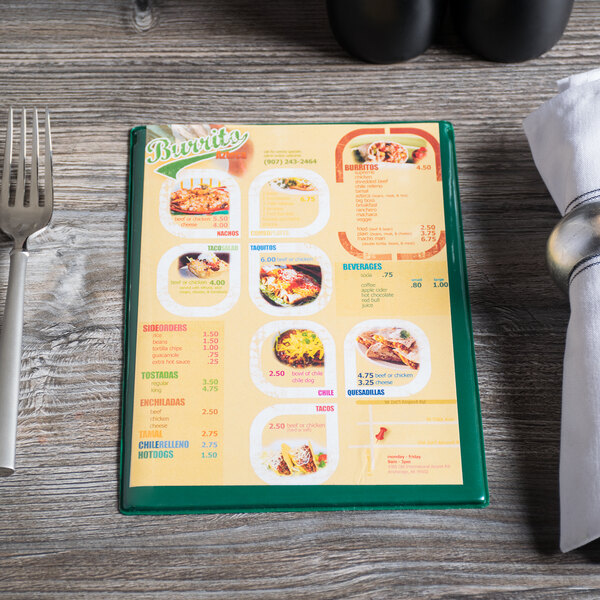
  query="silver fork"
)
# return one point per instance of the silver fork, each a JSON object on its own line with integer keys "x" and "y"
{"x": 20, "y": 220}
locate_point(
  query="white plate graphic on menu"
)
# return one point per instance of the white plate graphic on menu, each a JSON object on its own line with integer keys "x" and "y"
{"x": 321, "y": 190}
{"x": 263, "y": 458}
{"x": 394, "y": 332}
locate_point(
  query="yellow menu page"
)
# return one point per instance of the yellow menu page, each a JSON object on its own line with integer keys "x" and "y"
{"x": 294, "y": 320}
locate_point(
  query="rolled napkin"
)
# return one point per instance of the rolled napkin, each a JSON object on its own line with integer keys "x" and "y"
{"x": 564, "y": 135}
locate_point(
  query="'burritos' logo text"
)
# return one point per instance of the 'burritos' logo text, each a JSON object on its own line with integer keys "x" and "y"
{"x": 191, "y": 151}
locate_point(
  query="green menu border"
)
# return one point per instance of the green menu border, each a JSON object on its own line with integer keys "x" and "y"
{"x": 472, "y": 493}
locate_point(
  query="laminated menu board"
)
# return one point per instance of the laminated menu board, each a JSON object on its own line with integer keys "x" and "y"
{"x": 298, "y": 331}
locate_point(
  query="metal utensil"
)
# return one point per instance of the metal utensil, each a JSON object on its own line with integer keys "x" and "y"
{"x": 20, "y": 219}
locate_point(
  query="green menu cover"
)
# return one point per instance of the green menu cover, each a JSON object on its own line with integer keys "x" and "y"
{"x": 298, "y": 331}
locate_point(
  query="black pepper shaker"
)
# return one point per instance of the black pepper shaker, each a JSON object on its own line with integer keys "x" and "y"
{"x": 511, "y": 30}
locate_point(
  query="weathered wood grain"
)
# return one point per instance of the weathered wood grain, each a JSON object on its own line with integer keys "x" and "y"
{"x": 102, "y": 72}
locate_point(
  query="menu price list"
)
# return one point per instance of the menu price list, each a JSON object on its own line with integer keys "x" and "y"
{"x": 179, "y": 417}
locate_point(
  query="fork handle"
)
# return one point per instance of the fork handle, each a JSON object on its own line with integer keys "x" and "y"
{"x": 10, "y": 360}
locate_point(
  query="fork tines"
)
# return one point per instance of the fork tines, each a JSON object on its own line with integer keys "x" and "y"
{"x": 34, "y": 195}
{"x": 20, "y": 220}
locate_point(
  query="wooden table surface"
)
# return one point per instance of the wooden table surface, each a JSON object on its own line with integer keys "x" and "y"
{"x": 103, "y": 68}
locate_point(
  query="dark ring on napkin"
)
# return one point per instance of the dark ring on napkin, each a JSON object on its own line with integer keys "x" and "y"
{"x": 583, "y": 200}
{"x": 583, "y": 265}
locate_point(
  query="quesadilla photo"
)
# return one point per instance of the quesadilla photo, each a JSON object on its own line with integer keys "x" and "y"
{"x": 393, "y": 345}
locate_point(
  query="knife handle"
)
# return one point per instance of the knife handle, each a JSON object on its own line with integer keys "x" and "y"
{"x": 10, "y": 360}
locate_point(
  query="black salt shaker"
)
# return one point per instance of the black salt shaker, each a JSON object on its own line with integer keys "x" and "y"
{"x": 385, "y": 31}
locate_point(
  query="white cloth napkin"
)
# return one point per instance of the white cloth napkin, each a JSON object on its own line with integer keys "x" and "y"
{"x": 564, "y": 135}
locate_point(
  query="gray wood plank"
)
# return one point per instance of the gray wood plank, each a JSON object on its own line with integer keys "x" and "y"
{"x": 101, "y": 73}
